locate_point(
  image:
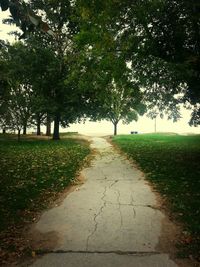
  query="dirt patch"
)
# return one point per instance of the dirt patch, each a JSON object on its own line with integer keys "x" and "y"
{"x": 79, "y": 137}
{"x": 41, "y": 241}
{"x": 74, "y": 185}
{"x": 170, "y": 235}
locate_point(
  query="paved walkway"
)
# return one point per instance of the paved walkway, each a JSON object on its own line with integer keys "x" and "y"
{"x": 111, "y": 220}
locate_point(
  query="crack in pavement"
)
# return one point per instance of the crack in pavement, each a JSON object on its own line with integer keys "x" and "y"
{"x": 120, "y": 212}
{"x": 95, "y": 218}
{"x": 110, "y": 180}
{"x": 116, "y": 230}
{"x": 134, "y": 211}
{"x": 132, "y": 205}
{"x": 118, "y": 252}
{"x": 115, "y": 181}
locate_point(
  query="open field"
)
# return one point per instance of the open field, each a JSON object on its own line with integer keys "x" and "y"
{"x": 32, "y": 171}
{"x": 172, "y": 164}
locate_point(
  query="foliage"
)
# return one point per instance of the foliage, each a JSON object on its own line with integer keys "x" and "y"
{"x": 159, "y": 39}
{"x": 19, "y": 95}
{"x": 171, "y": 163}
{"x": 163, "y": 89}
{"x": 42, "y": 77}
{"x": 96, "y": 43}
{"x": 24, "y": 17}
{"x": 103, "y": 73}
{"x": 66, "y": 104}
{"x": 170, "y": 31}
{"x": 121, "y": 102}
{"x": 4, "y": 90}
{"x": 44, "y": 65}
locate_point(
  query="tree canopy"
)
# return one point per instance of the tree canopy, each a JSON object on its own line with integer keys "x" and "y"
{"x": 151, "y": 31}
{"x": 123, "y": 102}
{"x": 102, "y": 55}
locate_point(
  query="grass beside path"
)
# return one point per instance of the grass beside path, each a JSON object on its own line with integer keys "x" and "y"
{"x": 172, "y": 163}
{"x": 31, "y": 171}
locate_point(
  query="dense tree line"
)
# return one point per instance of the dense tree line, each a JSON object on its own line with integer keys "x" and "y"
{"x": 103, "y": 60}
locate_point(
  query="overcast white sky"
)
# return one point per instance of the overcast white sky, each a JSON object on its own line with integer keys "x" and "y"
{"x": 143, "y": 125}
{"x": 4, "y": 29}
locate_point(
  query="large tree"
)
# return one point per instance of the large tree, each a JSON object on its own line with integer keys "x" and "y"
{"x": 162, "y": 31}
{"x": 168, "y": 31}
{"x": 42, "y": 76}
{"x": 65, "y": 98}
{"x": 60, "y": 16}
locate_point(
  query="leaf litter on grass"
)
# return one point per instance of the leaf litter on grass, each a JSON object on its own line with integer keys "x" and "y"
{"x": 32, "y": 173}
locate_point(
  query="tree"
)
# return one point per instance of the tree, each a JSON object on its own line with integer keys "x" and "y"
{"x": 65, "y": 96}
{"x": 161, "y": 31}
{"x": 21, "y": 93}
{"x": 42, "y": 66}
{"x": 4, "y": 88}
{"x": 163, "y": 89}
{"x": 122, "y": 103}
{"x": 61, "y": 96}
{"x": 142, "y": 34}
{"x": 20, "y": 108}
{"x": 167, "y": 30}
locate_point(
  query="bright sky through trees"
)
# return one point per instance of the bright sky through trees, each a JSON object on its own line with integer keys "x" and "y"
{"x": 143, "y": 125}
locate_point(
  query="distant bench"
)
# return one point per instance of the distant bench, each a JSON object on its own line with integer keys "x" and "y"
{"x": 134, "y": 132}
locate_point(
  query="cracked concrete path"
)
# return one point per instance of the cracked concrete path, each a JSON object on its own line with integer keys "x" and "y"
{"x": 111, "y": 220}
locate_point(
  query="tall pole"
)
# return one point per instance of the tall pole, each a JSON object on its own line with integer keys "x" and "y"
{"x": 155, "y": 125}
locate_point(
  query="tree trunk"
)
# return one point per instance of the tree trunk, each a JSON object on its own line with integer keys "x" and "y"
{"x": 38, "y": 126}
{"x": 18, "y": 135}
{"x": 4, "y": 130}
{"x": 56, "y": 135}
{"x": 24, "y": 128}
{"x": 115, "y": 128}
{"x": 48, "y": 126}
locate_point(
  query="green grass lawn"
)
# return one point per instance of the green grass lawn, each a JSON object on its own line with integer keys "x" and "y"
{"x": 172, "y": 163}
{"x": 33, "y": 170}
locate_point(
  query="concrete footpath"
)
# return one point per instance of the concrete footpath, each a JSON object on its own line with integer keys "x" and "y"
{"x": 112, "y": 220}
